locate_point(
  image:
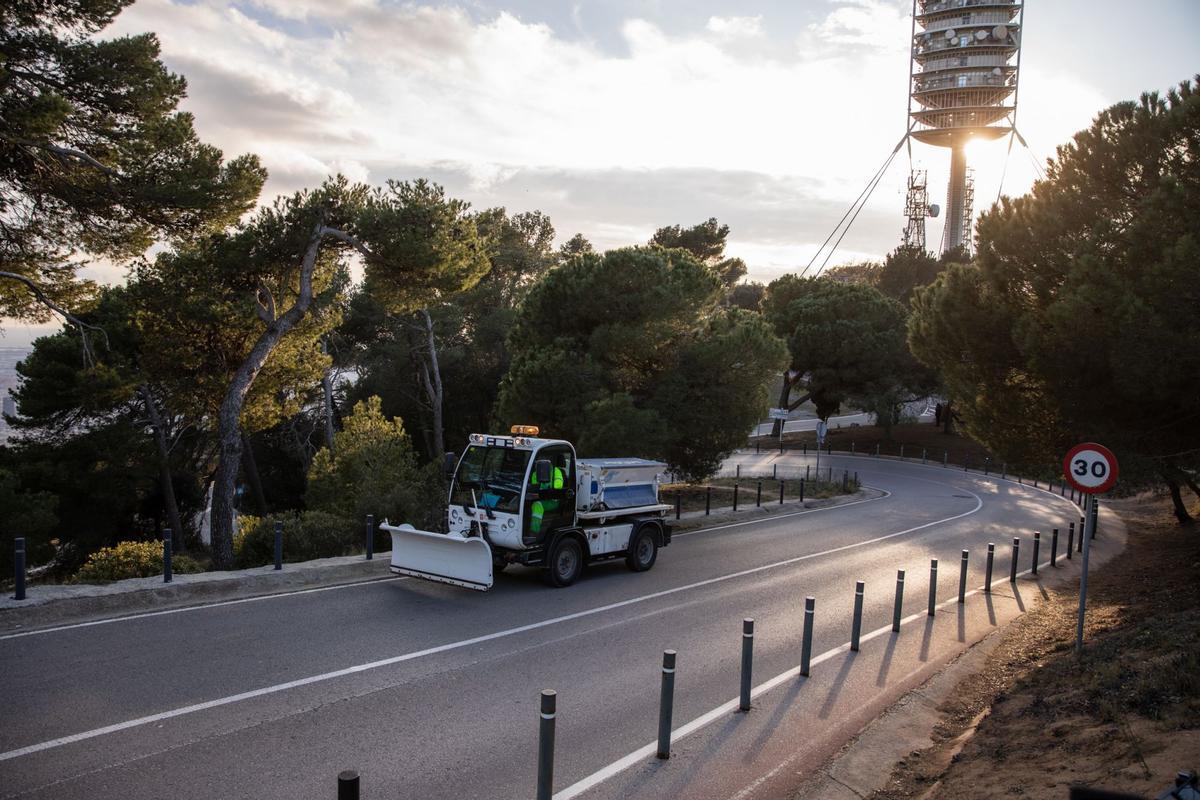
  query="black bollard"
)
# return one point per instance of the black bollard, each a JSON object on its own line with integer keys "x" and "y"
{"x": 1016, "y": 556}
{"x": 747, "y": 662}
{"x": 899, "y": 606}
{"x": 991, "y": 557}
{"x": 810, "y": 611}
{"x": 1079, "y": 544}
{"x": 962, "y": 577}
{"x": 19, "y": 567}
{"x": 1054, "y": 547}
{"x": 774, "y": 472}
{"x": 758, "y": 496}
{"x": 735, "y": 496}
{"x": 545, "y": 773}
{"x": 738, "y": 474}
{"x": 932, "y": 586}
{"x": 666, "y": 704}
{"x": 348, "y": 785}
{"x": 856, "y": 625}
{"x": 707, "y": 500}
{"x": 370, "y": 537}
{"x": 1071, "y": 540}
{"x": 278, "y": 545}
{"x": 1037, "y": 545}
{"x": 802, "y": 490}
{"x": 678, "y": 503}
{"x": 167, "y": 575}
{"x": 781, "y": 493}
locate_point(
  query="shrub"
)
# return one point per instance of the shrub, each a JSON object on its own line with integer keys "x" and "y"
{"x": 372, "y": 470}
{"x": 306, "y": 535}
{"x": 132, "y": 560}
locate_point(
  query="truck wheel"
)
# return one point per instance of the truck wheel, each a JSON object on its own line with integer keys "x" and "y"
{"x": 643, "y": 550}
{"x": 498, "y": 565}
{"x": 566, "y": 562}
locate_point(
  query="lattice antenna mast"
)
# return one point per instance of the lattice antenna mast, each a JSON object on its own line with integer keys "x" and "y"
{"x": 969, "y": 210}
{"x": 916, "y": 208}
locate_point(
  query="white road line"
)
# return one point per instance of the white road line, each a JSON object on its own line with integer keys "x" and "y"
{"x": 642, "y": 753}
{"x": 280, "y": 687}
{"x": 202, "y": 606}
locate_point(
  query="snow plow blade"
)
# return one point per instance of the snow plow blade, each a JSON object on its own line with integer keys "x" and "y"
{"x": 441, "y": 557}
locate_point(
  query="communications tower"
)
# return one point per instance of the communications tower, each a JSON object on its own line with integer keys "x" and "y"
{"x": 966, "y": 55}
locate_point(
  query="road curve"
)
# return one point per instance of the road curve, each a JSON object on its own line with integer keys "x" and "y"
{"x": 430, "y": 691}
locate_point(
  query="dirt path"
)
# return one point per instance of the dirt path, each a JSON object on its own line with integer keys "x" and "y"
{"x": 1037, "y": 720}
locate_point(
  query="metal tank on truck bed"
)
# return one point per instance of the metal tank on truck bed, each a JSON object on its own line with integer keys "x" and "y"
{"x": 521, "y": 499}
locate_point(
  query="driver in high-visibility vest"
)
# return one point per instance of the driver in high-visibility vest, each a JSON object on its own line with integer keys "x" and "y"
{"x": 540, "y": 508}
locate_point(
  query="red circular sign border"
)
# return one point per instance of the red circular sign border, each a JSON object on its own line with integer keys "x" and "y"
{"x": 1102, "y": 450}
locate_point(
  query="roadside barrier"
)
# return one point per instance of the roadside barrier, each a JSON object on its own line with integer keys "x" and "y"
{"x": 666, "y": 704}
{"x": 747, "y": 663}
{"x": 278, "y": 545}
{"x": 856, "y": 625}
{"x": 662, "y": 748}
{"x": 167, "y": 556}
{"x": 545, "y": 771}
{"x": 932, "y": 587}
{"x": 1054, "y": 547}
{"x": 347, "y": 783}
{"x": 1071, "y": 540}
{"x": 19, "y": 567}
{"x": 810, "y": 611}
{"x": 370, "y": 537}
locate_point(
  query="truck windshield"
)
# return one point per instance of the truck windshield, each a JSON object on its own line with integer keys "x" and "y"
{"x": 494, "y": 474}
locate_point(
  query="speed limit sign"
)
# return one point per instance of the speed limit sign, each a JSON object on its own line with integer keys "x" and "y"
{"x": 1091, "y": 468}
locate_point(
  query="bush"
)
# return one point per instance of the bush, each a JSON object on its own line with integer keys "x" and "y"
{"x": 306, "y": 535}
{"x": 132, "y": 560}
{"x": 372, "y": 470}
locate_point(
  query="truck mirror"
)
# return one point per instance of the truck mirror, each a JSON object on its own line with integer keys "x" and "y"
{"x": 449, "y": 462}
{"x": 542, "y": 471}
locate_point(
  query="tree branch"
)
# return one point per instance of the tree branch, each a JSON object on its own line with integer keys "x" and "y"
{"x": 84, "y": 327}
{"x": 265, "y": 302}
{"x": 65, "y": 153}
{"x": 349, "y": 239}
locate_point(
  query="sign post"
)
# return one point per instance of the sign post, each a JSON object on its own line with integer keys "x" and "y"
{"x": 1092, "y": 469}
{"x": 780, "y": 414}
{"x": 822, "y": 429}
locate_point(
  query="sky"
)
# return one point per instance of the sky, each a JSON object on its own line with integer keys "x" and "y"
{"x": 617, "y": 117}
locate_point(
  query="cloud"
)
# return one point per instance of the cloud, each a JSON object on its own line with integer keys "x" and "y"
{"x": 737, "y": 27}
{"x": 774, "y": 136}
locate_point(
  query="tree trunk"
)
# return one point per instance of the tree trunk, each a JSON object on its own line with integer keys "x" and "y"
{"x": 229, "y": 438}
{"x": 1181, "y": 512}
{"x": 250, "y": 467}
{"x": 784, "y": 396}
{"x": 164, "y": 468}
{"x": 947, "y": 416}
{"x": 431, "y": 375}
{"x": 327, "y": 388}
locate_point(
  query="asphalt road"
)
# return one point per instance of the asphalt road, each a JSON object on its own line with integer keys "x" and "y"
{"x": 431, "y": 691}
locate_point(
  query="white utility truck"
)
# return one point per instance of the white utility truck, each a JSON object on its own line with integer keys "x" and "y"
{"x": 520, "y": 499}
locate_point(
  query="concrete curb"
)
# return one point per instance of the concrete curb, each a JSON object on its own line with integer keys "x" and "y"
{"x": 60, "y": 604}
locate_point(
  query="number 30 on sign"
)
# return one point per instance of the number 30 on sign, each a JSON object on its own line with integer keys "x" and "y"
{"x": 1091, "y": 468}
